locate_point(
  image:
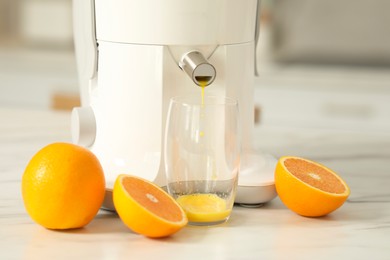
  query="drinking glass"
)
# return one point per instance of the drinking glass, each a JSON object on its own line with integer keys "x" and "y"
{"x": 202, "y": 156}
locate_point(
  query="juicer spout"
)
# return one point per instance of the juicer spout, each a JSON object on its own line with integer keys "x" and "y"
{"x": 198, "y": 68}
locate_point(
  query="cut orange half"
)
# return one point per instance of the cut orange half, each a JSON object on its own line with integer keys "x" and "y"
{"x": 309, "y": 188}
{"x": 145, "y": 208}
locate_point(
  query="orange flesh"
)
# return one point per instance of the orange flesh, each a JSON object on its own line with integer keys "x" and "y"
{"x": 314, "y": 175}
{"x": 153, "y": 199}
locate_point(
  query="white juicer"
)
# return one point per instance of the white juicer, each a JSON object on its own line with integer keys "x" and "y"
{"x": 134, "y": 55}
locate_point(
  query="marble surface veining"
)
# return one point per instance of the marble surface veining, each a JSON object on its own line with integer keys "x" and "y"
{"x": 358, "y": 230}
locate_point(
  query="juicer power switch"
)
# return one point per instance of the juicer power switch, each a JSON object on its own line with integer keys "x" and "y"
{"x": 83, "y": 126}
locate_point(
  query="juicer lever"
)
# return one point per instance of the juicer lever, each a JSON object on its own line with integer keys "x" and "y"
{"x": 83, "y": 126}
{"x": 198, "y": 68}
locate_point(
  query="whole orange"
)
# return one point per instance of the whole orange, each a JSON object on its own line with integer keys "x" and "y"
{"x": 309, "y": 188}
{"x": 63, "y": 186}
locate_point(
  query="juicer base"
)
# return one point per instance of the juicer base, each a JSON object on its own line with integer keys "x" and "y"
{"x": 256, "y": 183}
{"x": 108, "y": 203}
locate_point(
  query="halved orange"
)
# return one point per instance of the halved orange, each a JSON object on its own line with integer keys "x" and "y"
{"x": 146, "y": 208}
{"x": 309, "y": 188}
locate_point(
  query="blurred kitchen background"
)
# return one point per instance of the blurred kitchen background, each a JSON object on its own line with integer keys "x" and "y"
{"x": 321, "y": 63}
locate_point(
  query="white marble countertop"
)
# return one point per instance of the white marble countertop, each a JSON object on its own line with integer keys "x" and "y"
{"x": 358, "y": 230}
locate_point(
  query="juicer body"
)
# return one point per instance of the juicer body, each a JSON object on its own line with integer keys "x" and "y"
{"x": 129, "y": 54}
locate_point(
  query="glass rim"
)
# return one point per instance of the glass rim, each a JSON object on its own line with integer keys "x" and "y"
{"x": 196, "y": 101}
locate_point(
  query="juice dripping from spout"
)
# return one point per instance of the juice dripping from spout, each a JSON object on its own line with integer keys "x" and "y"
{"x": 202, "y": 80}
{"x": 202, "y": 84}
{"x": 202, "y": 93}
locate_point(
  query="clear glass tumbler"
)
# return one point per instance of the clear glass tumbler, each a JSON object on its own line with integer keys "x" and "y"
{"x": 202, "y": 156}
